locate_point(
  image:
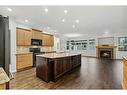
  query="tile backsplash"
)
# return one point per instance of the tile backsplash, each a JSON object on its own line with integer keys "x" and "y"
{"x": 22, "y": 49}
{"x": 26, "y": 48}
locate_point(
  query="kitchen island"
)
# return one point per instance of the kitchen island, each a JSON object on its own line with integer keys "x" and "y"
{"x": 49, "y": 67}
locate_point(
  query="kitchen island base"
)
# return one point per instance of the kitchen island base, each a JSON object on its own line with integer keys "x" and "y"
{"x": 51, "y": 69}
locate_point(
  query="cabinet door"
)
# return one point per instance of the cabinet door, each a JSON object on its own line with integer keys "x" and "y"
{"x": 76, "y": 60}
{"x": 36, "y": 34}
{"x": 48, "y": 40}
{"x": 58, "y": 67}
{"x": 39, "y": 35}
{"x": 67, "y": 65}
{"x": 20, "y": 37}
{"x": 52, "y": 40}
{"x": 3, "y": 86}
{"x": 24, "y": 60}
{"x": 44, "y": 39}
{"x": 28, "y": 37}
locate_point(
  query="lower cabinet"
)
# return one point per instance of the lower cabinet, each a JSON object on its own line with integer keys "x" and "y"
{"x": 24, "y": 61}
{"x": 58, "y": 67}
{"x": 63, "y": 65}
{"x": 67, "y": 65}
{"x": 76, "y": 60}
{"x": 2, "y": 86}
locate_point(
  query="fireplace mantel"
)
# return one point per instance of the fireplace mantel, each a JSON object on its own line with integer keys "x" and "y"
{"x": 105, "y": 46}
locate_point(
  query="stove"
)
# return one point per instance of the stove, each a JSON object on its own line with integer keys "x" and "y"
{"x": 36, "y": 51}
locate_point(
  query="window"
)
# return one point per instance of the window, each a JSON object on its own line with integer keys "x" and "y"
{"x": 92, "y": 44}
{"x": 77, "y": 45}
{"x": 122, "y": 43}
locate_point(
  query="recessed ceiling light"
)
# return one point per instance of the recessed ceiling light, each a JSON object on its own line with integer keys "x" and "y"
{"x": 77, "y": 21}
{"x": 73, "y": 26}
{"x": 46, "y": 10}
{"x": 65, "y": 11}
{"x": 73, "y": 35}
{"x": 26, "y": 20}
{"x": 9, "y": 9}
{"x": 63, "y": 20}
{"x": 48, "y": 27}
{"x": 106, "y": 31}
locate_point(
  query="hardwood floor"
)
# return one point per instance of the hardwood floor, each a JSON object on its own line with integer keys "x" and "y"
{"x": 93, "y": 74}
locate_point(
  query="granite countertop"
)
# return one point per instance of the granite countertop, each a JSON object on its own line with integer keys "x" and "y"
{"x": 125, "y": 57}
{"x": 48, "y": 51}
{"x": 3, "y": 76}
{"x": 23, "y": 52}
{"x": 57, "y": 55}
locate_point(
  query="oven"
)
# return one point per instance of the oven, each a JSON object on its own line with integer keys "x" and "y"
{"x": 36, "y": 51}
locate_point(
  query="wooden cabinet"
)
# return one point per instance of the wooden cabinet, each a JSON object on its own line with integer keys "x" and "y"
{"x": 124, "y": 83}
{"x": 58, "y": 67}
{"x": 23, "y": 37}
{"x": 24, "y": 60}
{"x": 3, "y": 86}
{"x": 76, "y": 60}
{"x": 47, "y": 39}
{"x": 20, "y": 36}
{"x": 28, "y": 36}
{"x": 36, "y": 34}
{"x": 67, "y": 65}
{"x": 50, "y": 69}
{"x": 42, "y": 69}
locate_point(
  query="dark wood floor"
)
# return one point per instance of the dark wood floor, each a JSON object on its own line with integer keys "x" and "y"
{"x": 93, "y": 74}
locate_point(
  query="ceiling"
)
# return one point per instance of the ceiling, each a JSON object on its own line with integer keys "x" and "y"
{"x": 93, "y": 20}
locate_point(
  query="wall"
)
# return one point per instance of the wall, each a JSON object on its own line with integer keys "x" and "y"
{"x": 119, "y": 54}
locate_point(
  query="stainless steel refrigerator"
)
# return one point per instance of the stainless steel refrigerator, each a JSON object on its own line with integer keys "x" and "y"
{"x": 5, "y": 45}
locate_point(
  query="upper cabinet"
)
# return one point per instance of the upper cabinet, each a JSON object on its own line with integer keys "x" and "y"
{"x": 36, "y": 34}
{"x": 47, "y": 39}
{"x": 23, "y": 37}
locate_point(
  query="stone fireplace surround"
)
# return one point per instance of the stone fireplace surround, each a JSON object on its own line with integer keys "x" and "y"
{"x": 106, "y": 50}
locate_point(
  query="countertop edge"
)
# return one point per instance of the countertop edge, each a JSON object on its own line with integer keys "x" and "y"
{"x": 125, "y": 57}
{"x": 23, "y": 53}
{"x": 4, "y": 76}
{"x": 57, "y": 56}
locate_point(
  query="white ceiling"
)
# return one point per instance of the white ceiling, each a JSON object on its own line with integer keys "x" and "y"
{"x": 92, "y": 19}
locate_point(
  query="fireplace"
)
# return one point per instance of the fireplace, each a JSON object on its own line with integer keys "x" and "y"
{"x": 106, "y": 53}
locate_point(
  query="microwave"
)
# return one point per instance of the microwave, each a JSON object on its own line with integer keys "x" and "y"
{"x": 36, "y": 42}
